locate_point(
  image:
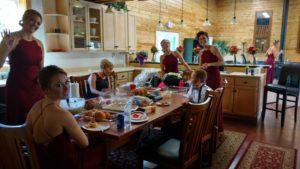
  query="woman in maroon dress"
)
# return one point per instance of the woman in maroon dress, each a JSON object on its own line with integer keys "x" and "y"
{"x": 61, "y": 143}
{"x": 272, "y": 53}
{"x": 210, "y": 60}
{"x": 25, "y": 54}
{"x": 169, "y": 60}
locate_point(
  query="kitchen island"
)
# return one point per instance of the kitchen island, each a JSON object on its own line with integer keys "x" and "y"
{"x": 243, "y": 95}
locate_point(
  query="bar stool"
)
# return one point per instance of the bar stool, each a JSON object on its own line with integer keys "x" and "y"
{"x": 288, "y": 85}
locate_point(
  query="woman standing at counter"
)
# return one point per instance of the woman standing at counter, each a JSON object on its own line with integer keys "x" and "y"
{"x": 25, "y": 54}
{"x": 272, "y": 53}
{"x": 169, "y": 60}
{"x": 210, "y": 61}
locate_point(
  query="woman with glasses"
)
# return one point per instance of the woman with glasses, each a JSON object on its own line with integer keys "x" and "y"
{"x": 61, "y": 142}
{"x": 26, "y": 56}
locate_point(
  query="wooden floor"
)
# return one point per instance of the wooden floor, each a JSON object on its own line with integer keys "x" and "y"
{"x": 269, "y": 132}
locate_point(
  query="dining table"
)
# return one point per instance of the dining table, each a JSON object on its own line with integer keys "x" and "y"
{"x": 117, "y": 137}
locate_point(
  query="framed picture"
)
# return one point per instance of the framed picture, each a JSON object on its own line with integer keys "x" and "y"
{"x": 173, "y": 37}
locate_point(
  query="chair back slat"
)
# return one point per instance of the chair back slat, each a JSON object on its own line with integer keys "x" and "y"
{"x": 17, "y": 143}
{"x": 82, "y": 81}
{"x": 193, "y": 130}
{"x": 213, "y": 115}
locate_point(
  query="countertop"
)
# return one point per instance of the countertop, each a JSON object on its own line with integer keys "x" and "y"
{"x": 241, "y": 74}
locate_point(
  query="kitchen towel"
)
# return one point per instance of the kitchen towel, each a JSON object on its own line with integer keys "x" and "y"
{"x": 74, "y": 90}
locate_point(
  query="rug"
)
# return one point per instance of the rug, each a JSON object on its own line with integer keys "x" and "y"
{"x": 227, "y": 149}
{"x": 266, "y": 156}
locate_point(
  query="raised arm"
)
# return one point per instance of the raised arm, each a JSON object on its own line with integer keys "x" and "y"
{"x": 182, "y": 61}
{"x": 8, "y": 43}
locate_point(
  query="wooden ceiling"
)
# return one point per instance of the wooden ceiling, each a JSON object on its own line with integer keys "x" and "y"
{"x": 111, "y": 1}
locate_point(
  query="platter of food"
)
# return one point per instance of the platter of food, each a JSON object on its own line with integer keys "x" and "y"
{"x": 96, "y": 126}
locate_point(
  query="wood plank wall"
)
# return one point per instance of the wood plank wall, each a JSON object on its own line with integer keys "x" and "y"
{"x": 220, "y": 15}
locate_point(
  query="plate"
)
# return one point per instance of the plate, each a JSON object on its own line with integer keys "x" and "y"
{"x": 138, "y": 117}
{"x": 102, "y": 126}
{"x": 162, "y": 104}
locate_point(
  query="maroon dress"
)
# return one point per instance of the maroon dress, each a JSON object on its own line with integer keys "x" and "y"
{"x": 213, "y": 78}
{"x": 170, "y": 63}
{"x": 270, "y": 72}
{"x": 22, "y": 89}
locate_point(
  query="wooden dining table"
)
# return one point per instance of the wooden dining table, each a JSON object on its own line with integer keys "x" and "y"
{"x": 120, "y": 136}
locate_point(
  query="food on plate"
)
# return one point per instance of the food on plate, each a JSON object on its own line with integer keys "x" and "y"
{"x": 99, "y": 115}
{"x": 138, "y": 115}
{"x": 139, "y": 91}
{"x": 150, "y": 109}
{"x": 108, "y": 115}
{"x": 89, "y": 105}
{"x": 91, "y": 124}
{"x": 88, "y": 113}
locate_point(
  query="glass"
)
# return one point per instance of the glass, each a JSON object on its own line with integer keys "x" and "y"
{"x": 168, "y": 97}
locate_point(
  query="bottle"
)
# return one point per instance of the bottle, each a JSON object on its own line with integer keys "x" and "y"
{"x": 181, "y": 84}
{"x": 127, "y": 114}
{"x": 246, "y": 70}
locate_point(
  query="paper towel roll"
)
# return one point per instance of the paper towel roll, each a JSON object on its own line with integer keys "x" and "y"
{"x": 74, "y": 90}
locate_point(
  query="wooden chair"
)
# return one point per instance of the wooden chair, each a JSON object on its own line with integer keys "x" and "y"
{"x": 210, "y": 134}
{"x": 82, "y": 81}
{"x": 17, "y": 150}
{"x": 186, "y": 152}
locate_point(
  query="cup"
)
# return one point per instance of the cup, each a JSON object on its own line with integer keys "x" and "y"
{"x": 132, "y": 86}
{"x": 168, "y": 97}
{"x": 93, "y": 31}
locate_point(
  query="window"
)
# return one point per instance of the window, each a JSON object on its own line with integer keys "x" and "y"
{"x": 173, "y": 37}
{"x": 11, "y": 12}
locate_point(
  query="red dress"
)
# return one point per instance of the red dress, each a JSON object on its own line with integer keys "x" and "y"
{"x": 22, "y": 89}
{"x": 62, "y": 154}
{"x": 213, "y": 79}
{"x": 270, "y": 72}
{"x": 170, "y": 63}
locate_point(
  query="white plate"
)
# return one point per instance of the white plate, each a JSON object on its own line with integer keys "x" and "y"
{"x": 102, "y": 126}
{"x": 140, "y": 121}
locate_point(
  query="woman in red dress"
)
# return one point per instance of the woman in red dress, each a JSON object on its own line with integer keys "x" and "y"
{"x": 61, "y": 143}
{"x": 272, "y": 53}
{"x": 25, "y": 54}
{"x": 210, "y": 60}
{"x": 169, "y": 60}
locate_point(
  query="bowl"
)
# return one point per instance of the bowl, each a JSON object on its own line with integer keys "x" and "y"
{"x": 93, "y": 19}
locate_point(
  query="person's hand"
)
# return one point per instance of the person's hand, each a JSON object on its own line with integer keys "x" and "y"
{"x": 8, "y": 39}
{"x": 204, "y": 66}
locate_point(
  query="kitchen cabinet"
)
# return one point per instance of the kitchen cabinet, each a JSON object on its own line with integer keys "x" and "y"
{"x": 86, "y": 27}
{"x": 115, "y": 31}
{"x": 131, "y": 28}
{"x": 124, "y": 77}
{"x": 243, "y": 95}
{"x": 56, "y": 21}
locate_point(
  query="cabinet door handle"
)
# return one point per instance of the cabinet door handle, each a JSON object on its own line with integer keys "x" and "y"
{"x": 116, "y": 46}
{"x": 129, "y": 47}
{"x": 234, "y": 90}
{"x": 245, "y": 82}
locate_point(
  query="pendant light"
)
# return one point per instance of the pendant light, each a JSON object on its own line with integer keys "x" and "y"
{"x": 77, "y": 4}
{"x": 234, "y": 21}
{"x": 206, "y": 22}
{"x": 182, "y": 24}
{"x": 160, "y": 25}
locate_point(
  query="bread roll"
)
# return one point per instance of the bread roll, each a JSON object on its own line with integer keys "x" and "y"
{"x": 99, "y": 115}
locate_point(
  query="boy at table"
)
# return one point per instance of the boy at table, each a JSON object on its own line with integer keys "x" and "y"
{"x": 196, "y": 94}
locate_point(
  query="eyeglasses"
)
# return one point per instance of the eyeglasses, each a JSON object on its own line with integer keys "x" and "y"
{"x": 62, "y": 84}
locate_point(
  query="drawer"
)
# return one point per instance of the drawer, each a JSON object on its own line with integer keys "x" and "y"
{"x": 122, "y": 75}
{"x": 230, "y": 80}
{"x": 246, "y": 81}
{"x": 120, "y": 82}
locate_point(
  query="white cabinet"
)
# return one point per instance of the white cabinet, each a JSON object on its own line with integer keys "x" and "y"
{"x": 86, "y": 27}
{"x": 131, "y": 29}
{"x": 115, "y": 31}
